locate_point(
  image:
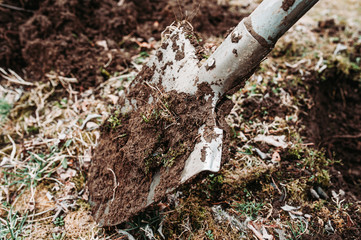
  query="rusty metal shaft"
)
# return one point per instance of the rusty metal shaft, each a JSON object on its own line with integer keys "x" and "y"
{"x": 249, "y": 43}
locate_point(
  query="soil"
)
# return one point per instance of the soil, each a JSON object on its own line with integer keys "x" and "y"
{"x": 334, "y": 120}
{"x": 334, "y": 123}
{"x": 62, "y": 35}
{"x": 286, "y": 4}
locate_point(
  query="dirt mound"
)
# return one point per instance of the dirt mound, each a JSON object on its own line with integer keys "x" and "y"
{"x": 62, "y": 35}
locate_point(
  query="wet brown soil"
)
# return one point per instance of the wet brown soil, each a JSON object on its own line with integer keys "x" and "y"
{"x": 334, "y": 123}
{"x": 62, "y": 35}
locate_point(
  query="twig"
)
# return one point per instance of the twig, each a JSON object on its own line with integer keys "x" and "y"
{"x": 255, "y": 231}
{"x": 14, "y": 8}
{"x": 279, "y": 191}
{"x": 13, "y": 151}
{"x": 15, "y": 78}
{"x": 120, "y": 136}
{"x": 348, "y": 136}
{"x": 115, "y": 183}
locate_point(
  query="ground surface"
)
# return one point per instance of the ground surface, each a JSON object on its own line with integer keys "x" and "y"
{"x": 294, "y": 169}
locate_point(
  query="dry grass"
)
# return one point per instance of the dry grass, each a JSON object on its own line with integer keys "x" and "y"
{"x": 47, "y": 147}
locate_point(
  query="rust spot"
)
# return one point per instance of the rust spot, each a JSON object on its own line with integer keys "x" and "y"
{"x": 203, "y": 154}
{"x": 286, "y": 4}
{"x": 234, "y": 51}
{"x": 259, "y": 38}
{"x": 236, "y": 36}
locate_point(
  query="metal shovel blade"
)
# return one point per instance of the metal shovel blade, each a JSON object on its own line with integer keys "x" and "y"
{"x": 171, "y": 133}
{"x": 165, "y": 131}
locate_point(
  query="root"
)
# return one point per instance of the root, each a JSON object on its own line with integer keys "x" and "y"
{"x": 116, "y": 184}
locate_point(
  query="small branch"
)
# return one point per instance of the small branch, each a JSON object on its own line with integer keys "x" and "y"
{"x": 14, "y": 8}
{"x": 348, "y": 136}
{"x": 115, "y": 183}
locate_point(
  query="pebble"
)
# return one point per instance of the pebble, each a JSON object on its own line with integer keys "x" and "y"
{"x": 322, "y": 193}
{"x": 314, "y": 194}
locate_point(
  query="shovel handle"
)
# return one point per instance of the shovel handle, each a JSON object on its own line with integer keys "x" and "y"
{"x": 248, "y": 44}
{"x": 272, "y": 18}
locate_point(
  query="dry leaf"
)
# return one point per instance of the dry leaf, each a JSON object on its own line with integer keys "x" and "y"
{"x": 277, "y": 141}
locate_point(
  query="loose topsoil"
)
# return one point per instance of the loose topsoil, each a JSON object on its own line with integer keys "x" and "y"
{"x": 334, "y": 123}
{"x": 62, "y": 35}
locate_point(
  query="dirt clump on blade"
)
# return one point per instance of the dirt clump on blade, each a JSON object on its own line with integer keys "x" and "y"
{"x": 89, "y": 40}
{"x": 155, "y": 139}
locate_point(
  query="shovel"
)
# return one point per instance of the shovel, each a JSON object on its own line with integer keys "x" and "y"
{"x": 168, "y": 127}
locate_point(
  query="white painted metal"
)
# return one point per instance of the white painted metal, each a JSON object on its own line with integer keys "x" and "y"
{"x": 233, "y": 61}
{"x": 272, "y": 18}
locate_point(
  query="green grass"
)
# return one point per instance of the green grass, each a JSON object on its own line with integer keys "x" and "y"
{"x": 13, "y": 228}
{"x": 5, "y": 108}
{"x": 250, "y": 209}
{"x": 114, "y": 120}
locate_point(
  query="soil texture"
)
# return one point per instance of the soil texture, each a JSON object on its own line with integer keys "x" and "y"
{"x": 67, "y": 36}
{"x": 334, "y": 123}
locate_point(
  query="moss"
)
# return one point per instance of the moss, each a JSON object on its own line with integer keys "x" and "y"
{"x": 191, "y": 212}
{"x": 343, "y": 65}
{"x": 296, "y": 190}
{"x": 249, "y": 208}
{"x": 33, "y": 129}
{"x": 323, "y": 177}
{"x": 295, "y": 153}
{"x": 163, "y": 158}
{"x": 83, "y": 205}
{"x": 288, "y": 50}
{"x": 312, "y": 160}
{"x": 339, "y": 67}
{"x": 5, "y": 108}
{"x": 79, "y": 181}
{"x": 114, "y": 120}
